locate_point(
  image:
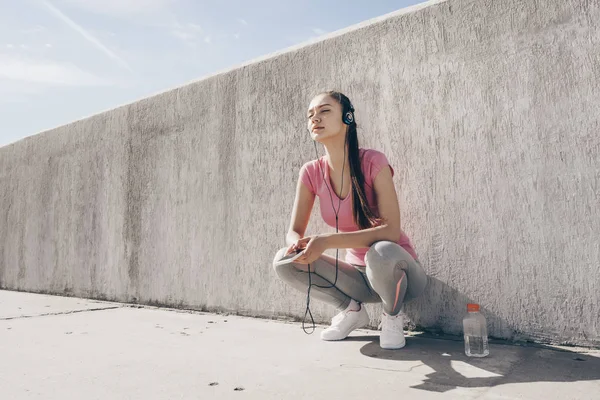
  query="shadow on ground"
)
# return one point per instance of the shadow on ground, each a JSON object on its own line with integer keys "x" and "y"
{"x": 451, "y": 368}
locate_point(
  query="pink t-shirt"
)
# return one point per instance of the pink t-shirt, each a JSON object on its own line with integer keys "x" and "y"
{"x": 372, "y": 161}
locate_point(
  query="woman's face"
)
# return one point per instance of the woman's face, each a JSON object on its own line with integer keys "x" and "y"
{"x": 325, "y": 118}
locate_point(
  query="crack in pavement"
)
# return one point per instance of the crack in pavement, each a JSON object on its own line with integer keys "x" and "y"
{"x": 60, "y": 313}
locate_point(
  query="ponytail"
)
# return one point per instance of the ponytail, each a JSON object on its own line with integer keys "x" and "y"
{"x": 362, "y": 213}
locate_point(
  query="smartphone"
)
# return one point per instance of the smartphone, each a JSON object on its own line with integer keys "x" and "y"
{"x": 290, "y": 258}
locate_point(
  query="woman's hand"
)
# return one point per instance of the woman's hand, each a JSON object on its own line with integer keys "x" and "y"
{"x": 293, "y": 249}
{"x": 313, "y": 247}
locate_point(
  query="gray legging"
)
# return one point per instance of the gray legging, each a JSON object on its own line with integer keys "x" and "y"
{"x": 391, "y": 276}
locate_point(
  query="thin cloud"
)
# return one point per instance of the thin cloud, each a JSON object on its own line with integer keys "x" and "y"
{"x": 195, "y": 27}
{"x": 189, "y": 33}
{"x": 45, "y": 72}
{"x": 88, "y": 36}
{"x": 124, "y": 8}
{"x": 186, "y": 32}
{"x": 183, "y": 35}
{"x": 242, "y": 21}
{"x": 318, "y": 31}
{"x": 21, "y": 78}
{"x": 34, "y": 30}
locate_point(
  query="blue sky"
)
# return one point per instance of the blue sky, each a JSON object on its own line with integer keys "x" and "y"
{"x": 63, "y": 60}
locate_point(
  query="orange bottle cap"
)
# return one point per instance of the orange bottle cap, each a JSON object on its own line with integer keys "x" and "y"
{"x": 471, "y": 307}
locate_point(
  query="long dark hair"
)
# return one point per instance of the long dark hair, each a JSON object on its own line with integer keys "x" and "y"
{"x": 363, "y": 215}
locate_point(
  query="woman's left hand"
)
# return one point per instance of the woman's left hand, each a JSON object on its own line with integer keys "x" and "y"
{"x": 314, "y": 247}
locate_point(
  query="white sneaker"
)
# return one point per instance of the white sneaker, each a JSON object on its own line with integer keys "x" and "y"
{"x": 392, "y": 333}
{"x": 346, "y": 321}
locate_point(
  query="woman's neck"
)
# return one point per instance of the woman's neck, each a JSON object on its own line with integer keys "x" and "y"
{"x": 336, "y": 156}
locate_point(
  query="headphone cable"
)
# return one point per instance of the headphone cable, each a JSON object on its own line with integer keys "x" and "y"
{"x": 310, "y": 284}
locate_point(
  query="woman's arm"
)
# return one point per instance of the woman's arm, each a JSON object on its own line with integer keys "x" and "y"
{"x": 303, "y": 204}
{"x": 389, "y": 211}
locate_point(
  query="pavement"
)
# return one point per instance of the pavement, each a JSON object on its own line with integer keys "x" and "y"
{"x": 55, "y": 347}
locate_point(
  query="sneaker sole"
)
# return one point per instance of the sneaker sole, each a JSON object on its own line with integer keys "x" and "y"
{"x": 391, "y": 347}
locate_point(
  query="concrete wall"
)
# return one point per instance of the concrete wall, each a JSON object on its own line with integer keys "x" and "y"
{"x": 488, "y": 110}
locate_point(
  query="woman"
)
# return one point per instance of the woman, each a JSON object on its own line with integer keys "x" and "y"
{"x": 357, "y": 195}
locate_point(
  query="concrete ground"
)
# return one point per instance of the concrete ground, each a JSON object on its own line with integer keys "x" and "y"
{"x": 68, "y": 348}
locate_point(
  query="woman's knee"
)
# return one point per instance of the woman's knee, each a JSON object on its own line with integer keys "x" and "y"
{"x": 278, "y": 256}
{"x": 378, "y": 265}
{"x": 384, "y": 253}
{"x": 284, "y": 269}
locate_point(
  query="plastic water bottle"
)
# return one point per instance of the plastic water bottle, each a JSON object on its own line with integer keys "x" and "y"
{"x": 475, "y": 332}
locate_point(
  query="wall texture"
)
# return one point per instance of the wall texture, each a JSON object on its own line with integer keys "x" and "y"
{"x": 488, "y": 110}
